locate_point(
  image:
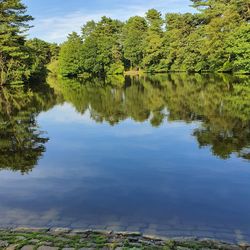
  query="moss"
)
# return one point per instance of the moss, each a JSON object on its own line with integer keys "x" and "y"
{"x": 97, "y": 241}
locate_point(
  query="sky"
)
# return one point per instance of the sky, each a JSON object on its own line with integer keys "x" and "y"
{"x": 55, "y": 19}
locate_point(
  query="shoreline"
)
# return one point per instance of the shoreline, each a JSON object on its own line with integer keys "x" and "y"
{"x": 29, "y": 238}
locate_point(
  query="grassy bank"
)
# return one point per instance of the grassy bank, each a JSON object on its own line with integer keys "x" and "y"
{"x": 60, "y": 238}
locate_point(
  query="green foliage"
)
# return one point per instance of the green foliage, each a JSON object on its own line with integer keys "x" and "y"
{"x": 116, "y": 69}
{"x": 102, "y": 49}
{"x": 13, "y": 53}
{"x": 40, "y": 55}
{"x": 97, "y": 52}
{"x": 21, "y": 60}
{"x": 215, "y": 39}
{"x": 134, "y": 33}
{"x": 238, "y": 47}
{"x": 70, "y": 56}
{"x": 153, "y": 43}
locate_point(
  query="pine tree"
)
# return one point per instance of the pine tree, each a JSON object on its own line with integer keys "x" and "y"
{"x": 154, "y": 40}
{"x": 13, "y": 53}
{"x": 70, "y": 56}
{"x": 134, "y": 33}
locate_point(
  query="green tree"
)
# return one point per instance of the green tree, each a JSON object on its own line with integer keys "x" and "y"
{"x": 134, "y": 33}
{"x": 238, "y": 48}
{"x": 13, "y": 53}
{"x": 102, "y": 52}
{"x": 183, "y": 43}
{"x": 214, "y": 39}
{"x": 88, "y": 28}
{"x": 153, "y": 42}
{"x": 70, "y": 56}
{"x": 40, "y": 56}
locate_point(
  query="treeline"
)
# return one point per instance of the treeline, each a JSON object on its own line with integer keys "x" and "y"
{"x": 215, "y": 38}
{"x": 21, "y": 59}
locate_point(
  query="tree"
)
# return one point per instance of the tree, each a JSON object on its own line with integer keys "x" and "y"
{"x": 154, "y": 40}
{"x": 40, "y": 56}
{"x": 238, "y": 47}
{"x": 134, "y": 33}
{"x": 214, "y": 39}
{"x": 102, "y": 50}
{"x": 183, "y": 43}
{"x": 13, "y": 53}
{"x": 70, "y": 56}
{"x": 88, "y": 28}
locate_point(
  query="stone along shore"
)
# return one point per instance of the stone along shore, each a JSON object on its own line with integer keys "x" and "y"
{"x": 67, "y": 239}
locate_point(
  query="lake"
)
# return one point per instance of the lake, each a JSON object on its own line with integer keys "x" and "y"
{"x": 164, "y": 154}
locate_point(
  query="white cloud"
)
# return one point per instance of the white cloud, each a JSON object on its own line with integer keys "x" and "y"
{"x": 57, "y": 27}
{"x": 69, "y": 115}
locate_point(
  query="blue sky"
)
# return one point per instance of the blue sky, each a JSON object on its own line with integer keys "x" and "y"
{"x": 54, "y": 19}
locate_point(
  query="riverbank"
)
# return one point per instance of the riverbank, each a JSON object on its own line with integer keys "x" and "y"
{"x": 67, "y": 239}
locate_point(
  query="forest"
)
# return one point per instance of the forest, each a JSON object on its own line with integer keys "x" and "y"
{"x": 215, "y": 38}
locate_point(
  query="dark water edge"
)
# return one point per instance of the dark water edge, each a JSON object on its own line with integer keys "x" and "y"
{"x": 166, "y": 155}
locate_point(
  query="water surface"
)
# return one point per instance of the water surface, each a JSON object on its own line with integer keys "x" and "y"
{"x": 165, "y": 154}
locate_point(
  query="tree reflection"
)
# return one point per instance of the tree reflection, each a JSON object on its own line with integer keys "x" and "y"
{"x": 220, "y": 103}
{"x": 21, "y": 142}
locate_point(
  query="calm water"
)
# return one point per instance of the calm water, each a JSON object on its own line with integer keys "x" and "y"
{"x": 166, "y": 154}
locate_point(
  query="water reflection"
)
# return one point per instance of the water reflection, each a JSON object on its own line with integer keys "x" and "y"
{"x": 123, "y": 155}
{"x": 220, "y": 102}
{"x": 21, "y": 142}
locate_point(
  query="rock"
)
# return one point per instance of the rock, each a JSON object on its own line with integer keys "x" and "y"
{"x": 47, "y": 248}
{"x": 152, "y": 237}
{"x": 80, "y": 231}
{"x": 184, "y": 239}
{"x": 46, "y": 243}
{"x": 147, "y": 242}
{"x": 133, "y": 239}
{"x": 209, "y": 249}
{"x": 244, "y": 244}
{"x": 183, "y": 248}
{"x": 3, "y": 243}
{"x": 60, "y": 230}
{"x": 30, "y": 230}
{"x": 20, "y": 238}
{"x": 63, "y": 239}
{"x": 106, "y": 232}
{"x": 87, "y": 248}
{"x": 225, "y": 246}
{"x": 34, "y": 241}
{"x": 28, "y": 247}
{"x": 68, "y": 249}
{"x": 129, "y": 233}
{"x": 12, "y": 247}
